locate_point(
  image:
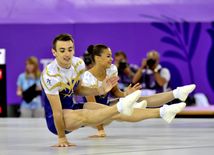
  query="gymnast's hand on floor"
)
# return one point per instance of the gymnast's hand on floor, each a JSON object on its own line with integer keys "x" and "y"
{"x": 130, "y": 89}
{"x": 101, "y": 133}
{"x": 64, "y": 144}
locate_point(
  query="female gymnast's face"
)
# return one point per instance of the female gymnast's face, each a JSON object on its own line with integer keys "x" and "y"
{"x": 106, "y": 58}
{"x": 30, "y": 67}
{"x": 64, "y": 53}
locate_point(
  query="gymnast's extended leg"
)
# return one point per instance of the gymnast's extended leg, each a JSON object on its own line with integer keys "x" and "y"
{"x": 158, "y": 100}
{"x": 74, "y": 119}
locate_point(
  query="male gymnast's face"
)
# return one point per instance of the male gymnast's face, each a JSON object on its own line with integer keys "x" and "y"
{"x": 106, "y": 59}
{"x": 64, "y": 53}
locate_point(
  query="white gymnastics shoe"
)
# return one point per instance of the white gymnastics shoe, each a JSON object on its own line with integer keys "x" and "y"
{"x": 142, "y": 104}
{"x": 125, "y": 105}
{"x": 168, "y": 112}
{"x": 182, "y": 92}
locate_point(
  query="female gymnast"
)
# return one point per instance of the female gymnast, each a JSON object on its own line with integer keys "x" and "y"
{"x": 101, "y": 55}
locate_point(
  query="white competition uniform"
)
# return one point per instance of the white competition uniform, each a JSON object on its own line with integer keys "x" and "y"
{"x": 90, "y": 81}
{"x": 57, "y": 80}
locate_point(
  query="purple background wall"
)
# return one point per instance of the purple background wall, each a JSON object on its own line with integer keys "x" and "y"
{"x": 100, "y": 11}
{"x": 24, "y": 40}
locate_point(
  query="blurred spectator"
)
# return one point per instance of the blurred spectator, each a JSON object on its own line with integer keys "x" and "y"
{"x": 153, "y": 78}
{"x": 29, "y": 89}
{"x": 201, "y": 100}
{"x": 125, "y": 71}
{"x": 87, "y": 59}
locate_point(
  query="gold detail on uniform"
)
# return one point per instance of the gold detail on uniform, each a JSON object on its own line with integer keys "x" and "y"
{"x": 114, "y": 73}
{"x": 111, "y": 75}
{"x": 54, "y": 86}
{"x": 53, "y": 75}
{"x": 95, "y": 85}
{"x": 68, "y": 85}
{"x": 81, "y": 71}
{"x": 75, "y": 80}
{"x": 103, "y": 96}
{"x": 78, "y": 63}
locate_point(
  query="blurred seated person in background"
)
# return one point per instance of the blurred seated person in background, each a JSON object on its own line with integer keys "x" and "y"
{"x": 152, "y": 77}
{"x": 125, "y": 71}
{"x": 87, "y": 59}
{"x": 30, "y": 81}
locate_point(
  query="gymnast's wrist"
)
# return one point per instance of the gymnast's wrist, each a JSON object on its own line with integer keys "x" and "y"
{"x": 100, "y": 90}
{"x": 61, "y": 140}
{"x": 125, "y": 94}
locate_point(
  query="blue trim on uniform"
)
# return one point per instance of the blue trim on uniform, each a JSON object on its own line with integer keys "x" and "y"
{"x": 51, "y": 125}
{"x": 49, "y": 113}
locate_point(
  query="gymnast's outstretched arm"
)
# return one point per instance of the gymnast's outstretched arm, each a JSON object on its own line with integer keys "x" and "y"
{"x": 106, "y": 86}
{"x": 116, "y": 92}
{"x": 58, "y": 120}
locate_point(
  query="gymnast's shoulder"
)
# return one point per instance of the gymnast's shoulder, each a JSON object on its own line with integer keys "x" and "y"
{"x": 112, "y": 71}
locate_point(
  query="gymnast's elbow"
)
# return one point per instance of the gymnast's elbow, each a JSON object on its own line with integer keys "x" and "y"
{"x": 57, "y": 114}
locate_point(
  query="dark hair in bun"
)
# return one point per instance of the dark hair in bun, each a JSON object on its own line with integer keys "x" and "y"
{"x": 96, "y": 50}
{"x": 90, "y": 49}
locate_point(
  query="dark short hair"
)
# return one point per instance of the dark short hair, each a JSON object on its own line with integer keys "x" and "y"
{"x": 118, "y": 53}
{"x": 61, "y": 37}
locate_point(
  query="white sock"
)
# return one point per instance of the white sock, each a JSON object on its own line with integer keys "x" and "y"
{"x": 120, "y": 105}
{"x": 176, "y": 92}
{"x": 162, "y": 110}
{"x": 135, "y": 104}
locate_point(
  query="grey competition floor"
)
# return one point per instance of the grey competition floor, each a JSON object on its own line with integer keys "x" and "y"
{"x": 154, "y": 136}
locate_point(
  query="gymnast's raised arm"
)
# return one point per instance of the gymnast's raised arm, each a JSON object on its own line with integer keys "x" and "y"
{"x": 106, "y": 86}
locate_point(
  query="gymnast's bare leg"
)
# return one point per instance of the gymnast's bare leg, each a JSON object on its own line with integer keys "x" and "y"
{"x": 166, "y": 112}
